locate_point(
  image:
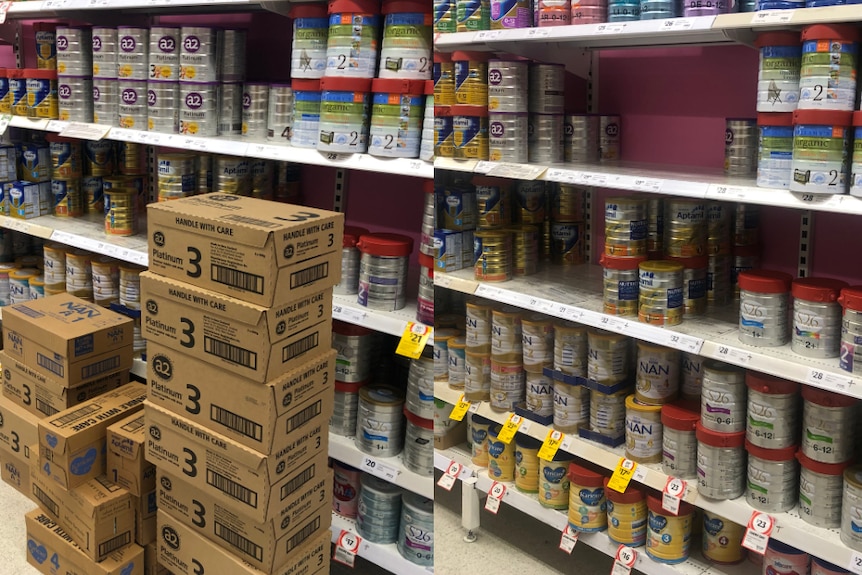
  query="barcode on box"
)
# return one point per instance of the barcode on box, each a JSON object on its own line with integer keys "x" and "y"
{"x": 134, "y": 425}
{"x": 309, "y": 275}
{"x": 298, "y": 481}
{"x": 230, "y": 352}
{"x": 303, "y": 534}
{"x": 46, "y": 500}
{"x": 235, "y": 278}
{"x": 73, "y": 415}
{"x": 43, "y": 407}
{"x": 115, "y": 543}
{"x": 47, "y": 454}
{"x": 104, "y": 366}
{"x": 250, "y": 220}
{"x": 304, "y": 416}
{"x": 246, "y": 546}
{"x": 232, "y": 488}
{"x": 236, "y": 422}
{"x": 50, "y": 364}
{"x": 299, "y": 347}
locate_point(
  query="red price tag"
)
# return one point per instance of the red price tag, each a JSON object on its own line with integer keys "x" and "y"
{"x": 569, "y": 539}
{"x": 624, "y": 560}
{"x": 346, "y": 548}
{"x": 760, "y": 526}
{"x": 448, "y": 479}
{"x": 495, "y": 496}
{"x": 672, "y": 494}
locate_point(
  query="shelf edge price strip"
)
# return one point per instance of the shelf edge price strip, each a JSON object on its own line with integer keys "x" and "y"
{"x": 757, "y": 532}
{"x": 495, "y": 496}
{"x": 413, "y": 340}
{"x": 855, "y": 564}
{"x": 382, "y": 470}
{"x": 448, "y": 479}
{"x": 568, "y": 539}
{"x": 672, "y": 494}
{"x": 624, "y": 560}
{"x": 346, "y": 548}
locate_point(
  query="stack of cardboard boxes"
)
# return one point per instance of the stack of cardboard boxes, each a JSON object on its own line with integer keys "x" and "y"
{"x": 237, "y": 313}
{"x": 65, "y": 375}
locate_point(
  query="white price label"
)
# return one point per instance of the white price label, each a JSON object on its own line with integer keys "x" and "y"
{"x": 4, "y": 7}
{"x": 647, "y": 185}
{"x": 610, "y": 28}
{"x": 597, "y": 180}
{"x": 484, "y": 35}
{"x": 684, "y": 342}
{"x": 827, "y": 379}
{"x": 672, "y": 24}
{"x": 562, "y": 176}
{"x": 346, "y": 548}
{"x": 442, "y": 280}
{"x": 773, "y": 17}
{"x": 538, "y": 32}
{"x": 565, "y": 444}
{"x": 725, "y": 192}
{"x": 624, "y": 561}
{"x": 733, "y": 355}
{"x": 757, "y": 533}
{"x": 568, "y": 539}
{"x": 448, "y": 479}
{"x": 85, "y": 131}
{"x": 379, "y": 469}
{"x": 575, "y": 314}
{"x": 517, "y": 171}
{"x": 349, "y": 314}
{"x": 855, "y": 564}
{"x": 4, "y": 123}
{"x": 495, "y": 496}
{"x": 640, "y": 473}
{"x": 56, "y": 125}
{"x": 673, "y": 492}
{"x": 483, "y": 167}
{"x": 486, "y": 291}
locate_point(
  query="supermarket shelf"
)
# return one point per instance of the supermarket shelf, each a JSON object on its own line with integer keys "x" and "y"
{"x": 237, "y": 147}
{"x": 139, "y": 368}
{"x": 87, "y": 233}
{"x": 529, "y": 504}
{"x": 389, "y": 468}
{"x": 386, "y": 556}
{"x": 345, "y": 308}
{"x": 789, "y": 527}
{"x": 704, "y": 183}
{"x": 59, "y": 8}
{"x": 574, "y": 293}
{"x": 551, "y": 43}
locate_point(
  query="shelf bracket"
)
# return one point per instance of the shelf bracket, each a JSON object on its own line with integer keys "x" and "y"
{"x": 806, "y": 240}
{"x": 280, "y": 7}
{"x": 339, "y": 198}
{"x": 470, "y": 517}
{"x": 743, "y": 36}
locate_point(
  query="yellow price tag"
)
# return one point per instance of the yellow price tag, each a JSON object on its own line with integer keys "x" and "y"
{"x": 413, "y": 340}
{"x": 551, "y": 445}
{"x": 460, "y": 409}
{"x": 622, "y": 475}
{"x": 510, "y": 428}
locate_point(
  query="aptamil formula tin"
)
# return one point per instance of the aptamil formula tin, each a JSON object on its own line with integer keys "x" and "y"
{"x": 105, "y": 48}
{"x": 17, "y": 91}
{"x": 344, "y": 114}
{"x": 198, "y": 116}
{"x": 310, "y": 32}
{"x": 41, "y": 88}
{"x": 163, "y": 106}
{"x": 470, "y": 132}
{"x": 133, "y": 54}
{"x": 351, "y": 48}
{"x": 68, "y": 201}
{"x": 444, "y": 16}
{"x": 133, "y": 104}
{"x": 164, "y": 55}
{"x": 75, "y": 98}
{"x": 198, "y": 54}
{"x": 660, "y": 292}
{"x": 46, "y": 45}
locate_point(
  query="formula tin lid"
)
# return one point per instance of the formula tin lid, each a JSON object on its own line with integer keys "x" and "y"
{"x": 634, "y": 404}
{"x": 843, "y": 32}
{"x": 40, "y": 74}
{"x": 354, "y": 6}
{"x": 784, "y": 454}
{"x": 780, "y": 38}
{"x": 631, "y": 495}
{"x": 823, "y": 290}
{"x": 620, "y": 262}
{"x": 343, "y": 328}
{"x": 459, "y": 341}
{"x": 416, "y": 420}
{"x": 764, "y": 281}
{"x": 348, "y": 387}
{"x": 443, "y": 111}
{"x": 464, "y": 110}
{"x": 691, "y": 263}
{"x": 303, "y": 85}
{"x": 308, "y": 10}
{"x": 584, "y": 477}
{"x": 339, "y": 84}
{"x": 654, "y": 504}
{"x": 746, "y": 251}
{"x": 429, "y": 87}
{"x": 851, "y": 297}
{"x": 822, "y": 468}
{"x": 44, "y": 26}
{"x": 351, "y": 235}
{"x": 827, "y": 398}
{"x": 392, "y": 245}
{"x": 857, "y": 118}
{"x": 446, "y": 333}
{"x": 679, "y": 418}
{"x": 398, "y": 86}
{"x": 420, "y": 506}
{"x": 527, "y": 442}
{"x": 442, "y": 57}
{"x": 406, "y": 7}
{"x": 823, "y": 117}
{"x": 660, "y": 266}
{"x": 718, "y": 439}
{"x": 827, "y": 566}
{"x": 770, "y": 384}
{"x": 383, "y": 396}
{"x": 23, "y": 273}
{"x": 775, "y": 119}
{"x": 471, "y": 56}
{"x": 427, "y": 262}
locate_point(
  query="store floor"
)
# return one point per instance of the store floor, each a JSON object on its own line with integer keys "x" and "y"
{"x": 510, "y": 542}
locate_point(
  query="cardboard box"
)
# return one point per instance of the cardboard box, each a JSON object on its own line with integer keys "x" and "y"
{"x": 16, "y": 472}
{"x": 51, "y": 551}
{"x": 126, "y": 463}
{"x": 456, "y": 434}
{"x": 306, "y": 513}
{"x": 257, "y": 415}
{"x": 260, "y": 252}
{"x": 71, "y": 327}
{"x": 19, "y": 431}
{"x": 43, "y": 395}
{"x": 249, "y": 340}
{"x": 185, "y": 552}
{"x": 72, "y": 442}
{"x": 145, "y": 518}
{"x": 151, "y": 561}
{"x": 98, "y": 515}
{"x": 252, "y": 481}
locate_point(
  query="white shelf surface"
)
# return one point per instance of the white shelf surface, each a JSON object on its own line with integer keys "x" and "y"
{"x": 345, "y": 308}
{"x": 385, "y": 556}
{"x": 546, "y": 43}
{"x": 789, "y": 527}
{"x": 704, "y": 183}
{"x": 238, "y": 147}
{"x": 575, "y": 293}
{"x": 529, "y": 505}
{"x": 47, "y": 8}
{"x": 389, "y": 468}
